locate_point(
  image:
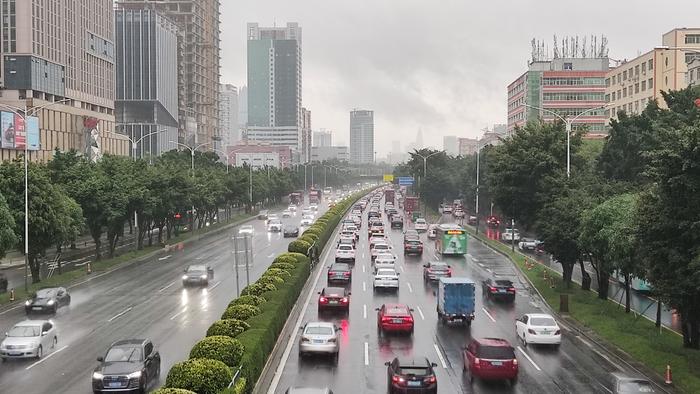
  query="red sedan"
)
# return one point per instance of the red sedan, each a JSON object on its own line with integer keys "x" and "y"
{"x": 333, "y": 298}
{"x": 490, "y": 358}
{"x": 395, "y": 318}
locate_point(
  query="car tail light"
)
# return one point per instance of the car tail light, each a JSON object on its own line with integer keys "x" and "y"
{"x": 330, "y": 273}
{"x": 449, "y": 272}
{"x": 408, "y": 319}
{"x": 304, "y": 339}
{"x": 531, "y": 331}
{"x": 332, "y": 340}
{"x": 511, "y": 290}
{"x": 492, "y": 289}
{"x": 557, "y": 332}
{"x": 430, "y": 379}
{"x": 514, "y": 363}
{"x": 477, "y": 362}
{"x": 323, "y": 300}
{"x": 346, "y": 273}
{"x": 344, "y": 300}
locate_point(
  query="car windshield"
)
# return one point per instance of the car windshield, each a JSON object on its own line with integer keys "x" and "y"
{"x": 438, "y": 266}
{"x": 496, "y": 352}
{"x": 196, "y": 270}
{"x": 542, "y": 322}
{"x": 388, "y": 272}
{"x": 123, "y": 354}
{"x": 381, "y": 246}
{"x": 24, "y": 331}
{"x": 246, "y": 227}
{"x": 413, "y": 242}
{"x": 340, "y": 267}
{"x": 504, "y": 283}
{"x": 345, "y": 247}
{"x": 45, "y": 293}
{"x": 318, "y": 330}
{"x": 635, "y": 386}
{"x": 397, "y": 310}
{"x": 420, "y": 221}
{"x": 411, "y": 370}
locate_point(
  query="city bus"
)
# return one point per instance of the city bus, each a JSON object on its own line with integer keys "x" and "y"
{"x": 451, "y": 239}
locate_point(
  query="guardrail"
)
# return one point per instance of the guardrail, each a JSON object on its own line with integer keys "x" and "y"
{"x": 235, "y": 376}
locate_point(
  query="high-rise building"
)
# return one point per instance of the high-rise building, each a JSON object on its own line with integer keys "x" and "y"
{"x": 242, "y": 107}
{"x": 323, "y": 138}
{"x": 228, "y": 113}
{"x": 467, "y": 146}
{"x": 275, "y": 111}
{"x": 305, "y": 155}
{"x": 198, "y": 22}
{"x": 61, "y": 58}
{"x": 450, "y": 145}
{"x": 324, "y": 153}
{"x": 632, "y": 84}
{"x": 568, "y": 86}
{"x": 361, "y": 136}
{"x": 147, "y": 86}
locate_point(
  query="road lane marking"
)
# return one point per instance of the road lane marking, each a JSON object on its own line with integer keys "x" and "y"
{"x": 401, "y": 267}
{"x": 364, "y": 311}
{"x": 363, "y": 268}
{"x": 529, "y": 359}
{"x": 271, "y": 255}
{"x": 179, "y": 313}
{"x": 364, "y": 286}
{"x": 420, "y": 312}
{"x": 45, "y": 358}
{"x": 215, "y": 284}
{"x": 164, "y": 258}
{"x": 442, "y": 359}
{"x": 366, "y": 353}
{"x": 488, "y": 314}
{"x": 409, "y": 287}
{"x": 165, "y": 287}
{"x": 118, "y": 315}
{"x": 475, "y": 260}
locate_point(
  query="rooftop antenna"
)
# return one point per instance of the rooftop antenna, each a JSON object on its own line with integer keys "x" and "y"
{"x": 556, "y": 48}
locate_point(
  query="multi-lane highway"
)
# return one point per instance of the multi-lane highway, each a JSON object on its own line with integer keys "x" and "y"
{"x": 578, "y": 366}
{"x": 144, "y": 300}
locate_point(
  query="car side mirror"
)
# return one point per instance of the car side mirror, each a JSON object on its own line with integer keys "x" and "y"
{"x": 376, "y": 309}
{"x": 100, "y": 359}
{"x": 425, "y": 265}
{"x": 433, "y": 364}
{"x": 449, "y": 266}
{"x": 319, "y": 292}
{"x": 387, "y": 363}
{"x": 349, "y": 293}
{"x": 434, "y": 293}
{"x": 6, "y": 334}
{"x": 411, "y": 310}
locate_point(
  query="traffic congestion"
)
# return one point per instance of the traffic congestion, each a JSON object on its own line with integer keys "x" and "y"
{"x": 401, "y": 305}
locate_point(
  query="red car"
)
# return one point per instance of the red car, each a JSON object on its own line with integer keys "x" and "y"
{"x": 493, "y": 221}
{"x": 395, "y": 318}
{"x": 334, "y": 298}
{"x": 490, "y": 358}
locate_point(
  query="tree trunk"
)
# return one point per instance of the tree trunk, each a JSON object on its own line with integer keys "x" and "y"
{"x": 603, "y": 284}
{"x": 567, "y": 270}
{"x": 131, "y": 225}
{"x": 585, "y": 276}
{"x": 628, "y": 286}
{"x": 98, "y": 248}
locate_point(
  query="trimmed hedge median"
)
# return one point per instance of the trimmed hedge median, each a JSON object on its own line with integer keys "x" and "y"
{"x": 249, "y": 327}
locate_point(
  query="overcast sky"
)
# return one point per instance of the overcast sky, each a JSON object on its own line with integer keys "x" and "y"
{"x": 438, "y": 65}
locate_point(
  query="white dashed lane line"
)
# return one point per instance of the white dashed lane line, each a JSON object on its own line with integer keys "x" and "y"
{"x": 442, "y": 359}
{"x": 420, "y": 312}
{"x": 488, "y": 314}
{"x": 529, "y": 359}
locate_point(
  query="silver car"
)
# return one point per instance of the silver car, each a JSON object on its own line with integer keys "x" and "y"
{"x": 29, "y": 339}
{"x": 319, "y": 338}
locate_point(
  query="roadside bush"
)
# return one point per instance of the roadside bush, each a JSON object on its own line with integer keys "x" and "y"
{"x": 223, "y": 348}
{"x": 282, "y": 266}
{"x": 282, "y": 273}
{"x": 306, "y": 239}
{"x": 258, "y": 289}
{"x": 240, "y": 312}
{"x": 201, "y": 375}
{"x": 299, "y": 246}
{"x": 312, "y": 231}
{"x": 271, "y": 279}
{"x": 227, "y": 327}
{"x": 170, "y": 390}
{"x": 248, "y": 300}
{"x": 287, "y": 258}
{"x": 238, "y": 387}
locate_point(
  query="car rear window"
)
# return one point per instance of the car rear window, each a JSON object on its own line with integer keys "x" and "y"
{"x": 381, "y": 246}
{"x": 345, "y": 247}
{"x": 413, "y": 242}
{"x": 417, "y": 371}
{"x": 496, "y": 352}
{"x": 397, "y": 311}
{"x": 438, "y": 266}
{"x": 542, "y": 321}
{"x": 315, "y": 330}
{"x": 505, "y": 283}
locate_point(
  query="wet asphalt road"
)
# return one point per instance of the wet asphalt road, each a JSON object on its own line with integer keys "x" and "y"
{"x": 574, "y": 368}
{"x": 141, "y": 300}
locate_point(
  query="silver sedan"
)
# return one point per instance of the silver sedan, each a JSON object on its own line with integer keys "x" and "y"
{"x": 29, "y": 339}
{"x": 319, "y": 338}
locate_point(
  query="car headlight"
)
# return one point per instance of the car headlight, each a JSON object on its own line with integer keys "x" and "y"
{"x": 134, "y": 375}
{"x": 51, "y": 302}
{"x": 27, "y": 303}
{"x": 203, "y": 277}
{"x": 97, "y": 376}
{"x": 184, "y": 277}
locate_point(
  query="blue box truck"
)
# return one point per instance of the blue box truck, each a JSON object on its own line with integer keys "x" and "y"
{"x": 455, "y": 300}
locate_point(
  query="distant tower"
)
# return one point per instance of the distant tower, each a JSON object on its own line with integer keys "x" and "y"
{"x": 419, "y": 139}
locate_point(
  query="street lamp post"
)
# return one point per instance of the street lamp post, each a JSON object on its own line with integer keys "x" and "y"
{"x": 134, "y": 144}
{"x": 219, "y": 151}
{"x": 425, "y": 171}
{"x": 192, "y": 150}
{"x": 26, "y": 113}
{"x": 476, "y": 208}
{"x": 568, "y": 122}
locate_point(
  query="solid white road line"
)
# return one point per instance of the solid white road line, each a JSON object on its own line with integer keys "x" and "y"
{"x": 366, "y": 353}
{"x": 442, "y": 359}
{"x": 165, "y": 287}
{"x": 122, "y": 313}
{"x": 271, "y": 255}
{"x": 475, "y": 260}
{"x": 179, "y": 313}
{"x": 529, "y": 359}
{"x": 364, "y": 311}
{"x": 409, "y": 287}
{"x": 364, "y": 286}
{"x": 420, "y": 312}
{"x": 363, "y": 268}
{"x": 45, "y": 358}
{"x": 488, "y": 314}
{"x": 164, "y": 258}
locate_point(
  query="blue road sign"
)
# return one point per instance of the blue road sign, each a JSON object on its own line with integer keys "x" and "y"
{"x": 405, "y": 180}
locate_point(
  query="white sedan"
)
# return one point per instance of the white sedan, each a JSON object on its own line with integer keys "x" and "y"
{"x": 538, "y": 328}
{"x": 286, "y": 213}
{"x": 420, "y": 225}
{"x": 307, "y": 220}
{"x": 386, "y": 278}
{"x": 246, "y": 229}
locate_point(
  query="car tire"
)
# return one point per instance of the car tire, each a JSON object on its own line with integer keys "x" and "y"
{"x": 39, "y": 353}
{"x": 524, "y": 341}
{"x": 55, "y": 309}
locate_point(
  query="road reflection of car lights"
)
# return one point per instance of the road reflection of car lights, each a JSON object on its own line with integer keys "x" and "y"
{"x": 205, "y": 298}
{"x": 184, "y": 297}
{"x": 344, "y": 334}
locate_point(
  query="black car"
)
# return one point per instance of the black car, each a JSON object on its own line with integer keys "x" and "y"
{"x": 290, "y": 231}
{"x": 339, "y": 272}
{"x": 198, "y": 274}
{"x": 500, "y": 289}
{"x": 331, "y": 298}
{"x": 130, "y": 365}
{"x": 396, "y": 221}
{"x": 47, "y": 300}
{"x": 411, "y": 376}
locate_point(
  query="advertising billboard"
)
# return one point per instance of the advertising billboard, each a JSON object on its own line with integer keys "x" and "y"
{"x": 32, "y": 127}
{"x": 7, "y": 129}
{"x": 20, "y": 133}
{"x": 388, "y": 178}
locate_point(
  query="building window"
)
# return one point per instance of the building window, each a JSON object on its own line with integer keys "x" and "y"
{"x": 624, "y": 75}
{"x": 651, "y": 64}
{"x": 636, "y": 69}
{"x": 666, "y": 78}
{"x": 636, "y": 88}
{"x": 624, "y": 92}
{"x": 650, "y": 83}
{"x": 644, "y": 85}
{"x": 613, "y": 96}
{"x": 644, "y": 67}
{"x": 613, "y": 79}
{"x": 692, "y": 39}
{"x": 607, "y": 81}
{"x": 607, "y": 98}
{"x": 666, "y": 61}
{"x": 568, "y": 66}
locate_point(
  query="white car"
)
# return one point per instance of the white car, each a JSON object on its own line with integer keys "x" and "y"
{"x": 379, "y": 247}
{"x": 286, "y": 213}
{"x": 528, "y": 244}
{"x": 386, "y": 278}
{"x": 377, "y": 239}
{"x": 313, "y": 207}
{"x": 274, "y": 225}
{"x": 306, "y": 212}
{"x": 319, "y": 338}
{"x": 510, "y": 235}
{"x": 292, "y": 208}
{"x": 245, "y": 229}
{"x": 344, "y": 253}
{"x": 432, "y": 231}
{"x": 420, "y": 225}
{"x": 538, "y": 328}
{"x": 354, "y": 229}
{"x": 307, "y": 220}
{"x": 385, "y": 260}
{"x": 29, "y": 339}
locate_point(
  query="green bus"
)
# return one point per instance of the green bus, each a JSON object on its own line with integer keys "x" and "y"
{"x": 451, "y": 239}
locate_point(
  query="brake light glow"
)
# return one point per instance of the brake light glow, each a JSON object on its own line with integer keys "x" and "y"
{"x": 511, "y": 289}
{"x": 344, "y": 300}
{"x": 346, "y": 273}
{"x": 323, "y": 300}
{"x": 492, "y": 289}
{"x": 430, "y": 379}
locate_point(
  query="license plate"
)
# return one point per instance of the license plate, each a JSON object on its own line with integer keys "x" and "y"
{"x": 457, "y": 319}
{"x": 414, "y": 383}
{"x": 318, "y": 340}
{"x": 14, "y": 354}
{"x": 333, "y": 302}
{"x": 36, "y": 308}
{"x": 114, "y": 384}
{"x": 397, "y": 320}
{"x": 501, "y": 290}
{"x": 496, "y": 363}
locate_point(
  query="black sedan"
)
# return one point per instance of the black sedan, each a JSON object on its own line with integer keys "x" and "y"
{"x": 290, "y": 231}
{"x": 197, "y": 274}
{"x": 47, "y": 300}
{"x": 411, "y": 376}
{"x": 130, "y": 365}
{"x": 500, "y": 289}
{"x": 339, "y": 272}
